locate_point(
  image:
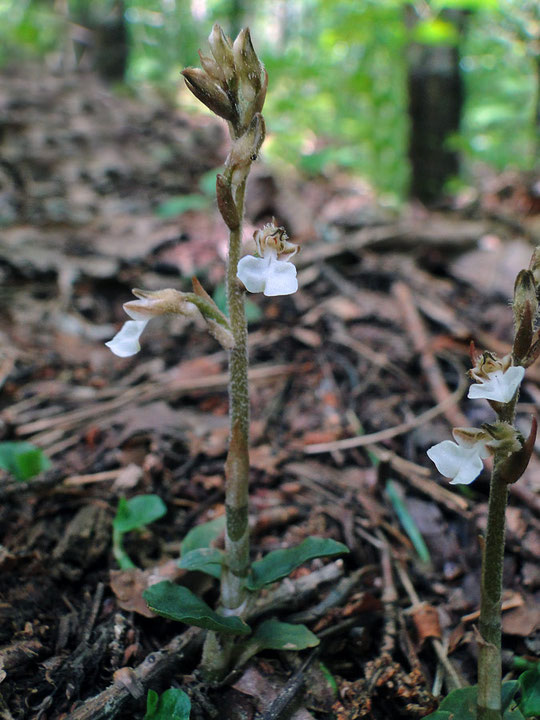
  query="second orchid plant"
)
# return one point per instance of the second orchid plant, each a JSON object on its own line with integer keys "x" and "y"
{"x": 232, "y": 83}
{"x": 497, "y": 381}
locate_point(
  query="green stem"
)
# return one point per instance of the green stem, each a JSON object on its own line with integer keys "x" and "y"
{"x": 489, "y": 652}
{"x": 233, "y": 592}
{"x": 489, "y": 658}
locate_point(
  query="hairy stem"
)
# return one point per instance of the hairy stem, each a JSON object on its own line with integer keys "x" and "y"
{"x": 489, "y": 652}
{"x": 489, "y": 658}
{"x": 237, "y": 466}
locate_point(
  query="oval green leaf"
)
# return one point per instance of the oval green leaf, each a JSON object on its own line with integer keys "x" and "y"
{"x": 280, "y": 563}
{"x": 176, "y": 602}
{"x": 137, "y": 512}
{"x": 202, "y": 536}
{"x": 275, "y": 635}
{"x": 173, "y": 704}
{"x": 23, "y": 460}
{"x": 206, "y": 560}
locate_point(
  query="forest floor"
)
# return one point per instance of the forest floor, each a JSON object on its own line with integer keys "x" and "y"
{"x": 352, "y": 379}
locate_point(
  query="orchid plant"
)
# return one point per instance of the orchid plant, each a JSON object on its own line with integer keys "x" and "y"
{"x": 232, "y": 83}
{"x": 498, "y": 381}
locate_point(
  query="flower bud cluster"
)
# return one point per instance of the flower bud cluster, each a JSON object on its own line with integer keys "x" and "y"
{"x": 232, "y": 83}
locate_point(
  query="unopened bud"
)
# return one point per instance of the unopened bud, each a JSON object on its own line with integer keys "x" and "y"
{"x": 151, "y": 303}
{"x": 534, "y": 350}
{"x": 245, "y": 149}
{"x": 512, "y": 468}
{"x": 226, "y": 204}
{"x": 525, "y": 311}
{"x": 534, "y": 266}
{"x": 209, "y": 93}
{"x": 248, "y": 66}
{"x": 221, "y": 47}
{"x": 211, "y": 68}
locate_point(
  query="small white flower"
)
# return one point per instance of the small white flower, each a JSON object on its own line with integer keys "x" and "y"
{"x": 461, "y": 460}
{"x": 126, "y": 341}
{"x": 271, "y": 272}
{"x": 267, "y": 274}
{"x": 498, "y": 386}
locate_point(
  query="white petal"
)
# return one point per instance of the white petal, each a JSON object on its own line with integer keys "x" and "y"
{"x": 252, "y": 272}
{"x": 500, "y": 387}
{"x": 126, "y": 341}
{"x": 281, "y": 278}
{"x": 461, "y": 464}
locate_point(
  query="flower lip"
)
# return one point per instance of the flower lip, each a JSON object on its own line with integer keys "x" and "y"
{"x": 498, "y": 386}
{"x": 126, "y": 341}
{"x": 268, "y": 274}
{"x": 462, "y": 464}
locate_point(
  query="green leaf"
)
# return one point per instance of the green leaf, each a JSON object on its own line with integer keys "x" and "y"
{"x": 176, "y": 602}
{"x": 407, "y": 522}
{"x": 206, "y": 560}
{"x": 137, "y": 512}
{"x": 461, "y": 704}
{"x": 202, "y": 536}
{"x": 177, "y": 205}
{"x": 280, "y": 563}
{"x": 276, "y": 635}
{"x": 529, "y": 682}
{"x": 173, "y": 704}
{"x": 23, "y": 460}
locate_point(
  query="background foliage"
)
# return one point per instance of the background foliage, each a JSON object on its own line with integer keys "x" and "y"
{"x": 338, "y": 94}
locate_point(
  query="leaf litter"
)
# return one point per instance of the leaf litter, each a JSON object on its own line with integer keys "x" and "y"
{"x": 377, "y": 336}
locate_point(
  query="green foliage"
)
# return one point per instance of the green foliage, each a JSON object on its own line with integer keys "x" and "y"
{"x": 280, "y": 563}
{"x": 137, "y": 512}
{"x": 461, "y": 704}
{"x": 176, "y": 602}
{"x": 173, "y": 704}
{"x": 529, "y": 683}
{"x": 23, "y": 460}
{"x": 338, "y": 89}
{"x": 203, "y": 535}
{"x": 174, "y": 206}
{"x": 134, "y": 514}
{"x": 206, "y": 560}
{"x": 275, "y": 635}
{"x": 407, "y": 522}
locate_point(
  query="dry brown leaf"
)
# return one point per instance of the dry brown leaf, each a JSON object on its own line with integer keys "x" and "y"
{"x": 129, "y": 585}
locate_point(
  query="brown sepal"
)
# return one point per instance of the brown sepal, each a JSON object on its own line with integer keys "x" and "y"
{"x": 511, "y": 469}
{"x": 524, "y": 334}
{"x": 210, "y": 94}
{"x": 227, "y": 206}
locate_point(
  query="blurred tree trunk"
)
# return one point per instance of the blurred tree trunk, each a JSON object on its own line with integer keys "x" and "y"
{"x": 436, "y": 95}
{"x": 108, "y": 48}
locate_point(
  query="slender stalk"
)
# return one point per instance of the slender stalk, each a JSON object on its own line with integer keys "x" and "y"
{"x": 489, "y": 659}
{"x": 237, "y": 466}
{"x": 489, "y": 654}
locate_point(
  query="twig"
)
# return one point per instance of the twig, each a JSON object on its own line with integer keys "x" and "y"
{"x": 289, "y": 692}
{"x": 453, "y": 680}
{"x": 389, "y": 433}
{"x": 432, "y": 371}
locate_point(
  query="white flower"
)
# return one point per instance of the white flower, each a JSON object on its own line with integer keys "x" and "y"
{"x": 126, "y": 341}
{"x": 498, "y": 386}
{"x": 267, "y": 274}
{"x": 461, "y": 460}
